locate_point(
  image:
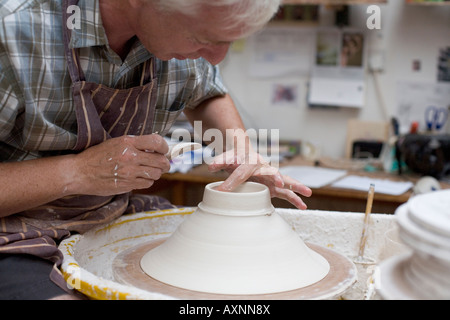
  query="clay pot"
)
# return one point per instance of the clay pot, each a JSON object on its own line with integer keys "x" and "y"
{"x": 235, "y": 243}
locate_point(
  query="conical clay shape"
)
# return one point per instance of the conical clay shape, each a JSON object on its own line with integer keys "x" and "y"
{"x": 235, "y": 243}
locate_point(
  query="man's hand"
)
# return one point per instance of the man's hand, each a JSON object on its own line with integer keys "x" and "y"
{"x": 239, "y": 159}
{"x": 121, "y": 165}
{"x": 251, "y": 166}
{"x": 116, "y": 166}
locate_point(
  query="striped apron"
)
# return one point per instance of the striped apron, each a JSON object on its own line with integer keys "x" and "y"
{"x": 102, "y": 113}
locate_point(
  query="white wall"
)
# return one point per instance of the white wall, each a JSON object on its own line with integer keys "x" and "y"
{"x": 407, "y": 33}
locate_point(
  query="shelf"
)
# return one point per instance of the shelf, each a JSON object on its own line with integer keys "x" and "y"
{"x": 333, "y": 2}
{"x": 428, "y": 3}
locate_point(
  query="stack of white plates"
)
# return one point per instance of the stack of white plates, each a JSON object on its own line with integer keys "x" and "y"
{"x": 424, "y": 225}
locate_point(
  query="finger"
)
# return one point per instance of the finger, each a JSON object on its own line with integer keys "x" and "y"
{"x": 136, "y": 178}
{"x": 296, "y": 186}
{"x": 237, "y": 177}
{"x": 223, "y": 161}
{"x": 153, "y": 160}
{"x": 149, "y": 143}
{"x": 152, "y": 169}
{"x": 149, "y": 174}
{"x": 269, "y": 176}
{"x": 136, "y": 184}
{"x": 290, "y": 196}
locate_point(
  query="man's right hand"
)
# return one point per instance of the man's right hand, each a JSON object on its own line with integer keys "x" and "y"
{"x": 121, "y": 165}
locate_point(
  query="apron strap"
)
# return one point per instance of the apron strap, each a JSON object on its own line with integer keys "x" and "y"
{"x": 149, "y": 72}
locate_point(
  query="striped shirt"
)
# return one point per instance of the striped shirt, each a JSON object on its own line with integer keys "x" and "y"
{"x": 37, "y": 115}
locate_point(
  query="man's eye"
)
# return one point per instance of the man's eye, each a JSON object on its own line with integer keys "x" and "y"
{"x": 197, "y": 41}
{"x": 202, "y": 42}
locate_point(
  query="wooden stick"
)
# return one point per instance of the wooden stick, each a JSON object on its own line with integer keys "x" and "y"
{"x": 364, "y": 234}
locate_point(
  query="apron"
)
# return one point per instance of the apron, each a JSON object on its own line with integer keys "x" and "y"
{"x": 102, "y": 113}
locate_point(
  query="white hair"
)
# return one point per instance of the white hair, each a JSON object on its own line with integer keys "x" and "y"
{"x": 254, "y": 14}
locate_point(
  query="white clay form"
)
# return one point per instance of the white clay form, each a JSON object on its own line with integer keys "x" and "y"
{"x": 235, "y": 243}
{"x": 424, "y": 225}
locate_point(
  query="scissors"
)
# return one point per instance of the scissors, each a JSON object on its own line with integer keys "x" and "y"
{"x": 435, "y": 117}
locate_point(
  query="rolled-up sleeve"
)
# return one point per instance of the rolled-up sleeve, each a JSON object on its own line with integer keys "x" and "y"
{"x": 209, "y": 84}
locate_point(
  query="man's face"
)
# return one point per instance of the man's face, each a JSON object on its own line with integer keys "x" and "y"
{"x": 173, "y": 35}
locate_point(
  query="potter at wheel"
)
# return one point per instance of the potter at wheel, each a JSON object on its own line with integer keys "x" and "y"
{"x": 236, "y": 244}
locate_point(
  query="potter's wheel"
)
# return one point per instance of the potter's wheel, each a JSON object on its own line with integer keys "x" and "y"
{"x": 235, "y": 244}
{"x": 88, "y": 258}
{"x": 127, "y": 270}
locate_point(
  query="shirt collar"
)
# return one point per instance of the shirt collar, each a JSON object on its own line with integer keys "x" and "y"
{"x": 92, "y": 33}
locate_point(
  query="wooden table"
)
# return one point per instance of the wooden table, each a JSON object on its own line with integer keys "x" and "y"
{"x": 187, "y": 189}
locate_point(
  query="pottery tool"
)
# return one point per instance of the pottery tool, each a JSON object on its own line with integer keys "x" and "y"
{"x": 178, "y": 149}
{"x": 364, "y": 234}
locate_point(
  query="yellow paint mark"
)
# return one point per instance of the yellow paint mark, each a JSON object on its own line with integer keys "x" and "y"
{"x": 94, "y": 291}
{"x": 98, "y": 293}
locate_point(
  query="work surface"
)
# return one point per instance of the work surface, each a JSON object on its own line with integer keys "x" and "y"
{"x": 187, "y": 188}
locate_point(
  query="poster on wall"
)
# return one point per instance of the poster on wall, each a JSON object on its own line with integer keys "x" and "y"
{"x": 281, "y": 51}
{"x": 285, "y": 95}
{"x": 327, "y": 48}
{"x": 338, "y": 74}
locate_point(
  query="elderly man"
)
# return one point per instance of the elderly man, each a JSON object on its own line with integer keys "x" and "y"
{"x": 87, "y": 90}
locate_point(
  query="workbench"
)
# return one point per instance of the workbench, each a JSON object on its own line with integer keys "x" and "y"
{"x": 186, "y": 189}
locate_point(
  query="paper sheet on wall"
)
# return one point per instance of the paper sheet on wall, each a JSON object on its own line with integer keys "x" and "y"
{"x": 384, "y": 186}
{"x": 313, "y": 177}
{"x": 280, "y": 51}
